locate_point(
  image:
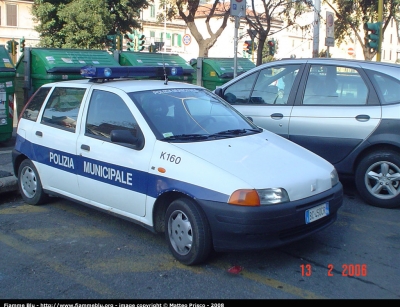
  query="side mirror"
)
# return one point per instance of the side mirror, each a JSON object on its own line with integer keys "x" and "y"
{"x": 126, "y": 137}
{"x": 218, "y": 91}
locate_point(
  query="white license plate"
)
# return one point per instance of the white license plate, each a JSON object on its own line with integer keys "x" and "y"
{"x": 317, "y": 212}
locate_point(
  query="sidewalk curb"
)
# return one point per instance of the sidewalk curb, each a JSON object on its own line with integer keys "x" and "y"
{"x": 8, "y": 184}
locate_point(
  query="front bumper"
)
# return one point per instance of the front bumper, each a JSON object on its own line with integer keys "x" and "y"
{"x": 237, "y": 228}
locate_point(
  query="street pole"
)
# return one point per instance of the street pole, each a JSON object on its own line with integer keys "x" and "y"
{"x": 237, "y": 10}
{"x": 165, "y": 27}
{"x": 235, "y": 40}
{"x": 380, "y": 19}
{"x": 317, "y": 9}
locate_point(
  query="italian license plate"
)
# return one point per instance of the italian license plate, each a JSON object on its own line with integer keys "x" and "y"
{"x": 317, "y": 212}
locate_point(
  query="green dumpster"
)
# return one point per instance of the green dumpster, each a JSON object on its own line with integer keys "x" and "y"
{"x": 217, "y": 71}
{"x": 7, "y": 88}
{"x": 128, "y": 58}
{"x": 51, "y": 65}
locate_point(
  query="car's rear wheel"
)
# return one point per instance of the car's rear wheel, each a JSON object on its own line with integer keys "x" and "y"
{"x": 378, "y": 179}
{"x": 187, "y": 232}
{"x": 29, "y": 184}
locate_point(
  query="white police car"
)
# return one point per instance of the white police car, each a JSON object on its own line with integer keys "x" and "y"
{"x": 175, "y": 158}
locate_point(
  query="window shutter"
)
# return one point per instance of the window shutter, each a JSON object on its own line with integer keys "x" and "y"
{"x": 11, "y": 15}
{"x": 179, "y": 40}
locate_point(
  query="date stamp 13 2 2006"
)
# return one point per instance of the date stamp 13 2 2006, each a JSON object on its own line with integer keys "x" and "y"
{"x": 347, "y": 269}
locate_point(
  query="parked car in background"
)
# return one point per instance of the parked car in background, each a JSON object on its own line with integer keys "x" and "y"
{"x": 346, "y": 111}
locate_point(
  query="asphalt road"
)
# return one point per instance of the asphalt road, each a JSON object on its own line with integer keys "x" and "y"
{"x": 63, "y": 250}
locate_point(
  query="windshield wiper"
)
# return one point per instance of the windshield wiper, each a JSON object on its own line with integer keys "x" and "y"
{"x": 235, "y": 132}
{"x": 186, "y": 137}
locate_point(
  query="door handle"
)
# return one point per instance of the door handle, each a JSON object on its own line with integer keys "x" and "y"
{"x": 39, "y": 133}
{"x": 85, "y": 147}
{"x": 276, "y": 115}
{"x": 363, "y": 118}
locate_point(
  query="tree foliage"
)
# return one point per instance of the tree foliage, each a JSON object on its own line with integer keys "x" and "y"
{"x": 189, "y": 10}
{"x": 350, "y": 17}
{"x": 84, "y": 23}
{"x": 88, "y": 33}
{"x": 260, "y": 19}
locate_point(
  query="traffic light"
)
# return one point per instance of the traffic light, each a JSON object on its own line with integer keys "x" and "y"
{"x": 152, "y": 48}
{"x": 271, "y": 46}
{"x": 252, "y": 47}
{"x": 373, "y": 36}
{"x": 159, "y": 46}
{"x": 112, "y": 42}
{"x": 131, "y": 43}
{"x": 9, "y": 46}
{"x": 246, "y": 46}
{"x": 14, "y": 47}
{"x": 22, "y": 44}
{"x": 141, "y": 41}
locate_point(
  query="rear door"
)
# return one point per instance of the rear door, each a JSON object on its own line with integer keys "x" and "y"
{"x": 53, "y": 138}
{"x": 336, "y": 109}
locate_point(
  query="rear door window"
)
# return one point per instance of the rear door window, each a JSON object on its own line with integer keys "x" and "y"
{"x": 334, "y": 85}
{"x": 62, "y": 108}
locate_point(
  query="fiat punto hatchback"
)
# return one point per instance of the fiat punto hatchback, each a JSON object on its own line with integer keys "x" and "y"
{"x": 175, "y": 158}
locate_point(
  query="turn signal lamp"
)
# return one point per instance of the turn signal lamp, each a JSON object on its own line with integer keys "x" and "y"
{"x": 245, "y": 198}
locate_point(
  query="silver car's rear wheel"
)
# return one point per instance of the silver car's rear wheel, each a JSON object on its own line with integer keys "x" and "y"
{"x": 378, "y": 179}
{"x": 382, "y": 179}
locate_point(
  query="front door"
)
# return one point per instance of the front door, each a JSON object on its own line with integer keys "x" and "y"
{"x": 112, "y": 176}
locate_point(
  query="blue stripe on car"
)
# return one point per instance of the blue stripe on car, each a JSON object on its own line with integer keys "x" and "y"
{"x": 123, "y": 177}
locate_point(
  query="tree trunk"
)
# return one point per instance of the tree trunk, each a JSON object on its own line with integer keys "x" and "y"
{"x": 203, "y": 49}
{"x": 368, "y": 55}
{"x": 261, "y": 42}
{"x": 205, "y": 44}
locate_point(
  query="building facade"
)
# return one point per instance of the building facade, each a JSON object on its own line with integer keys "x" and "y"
{"x": 16, "y": 22}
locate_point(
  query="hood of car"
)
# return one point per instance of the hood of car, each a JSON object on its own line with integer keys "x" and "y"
{"x": 265, "y": 160}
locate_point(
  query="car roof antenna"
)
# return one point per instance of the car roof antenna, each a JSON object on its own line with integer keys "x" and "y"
{"x": 165, "y": 73}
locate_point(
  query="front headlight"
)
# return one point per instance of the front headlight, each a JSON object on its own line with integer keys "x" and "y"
{"x": 273, "y": 196}
{"x": 259, "y": 197}
{"x": 334, "y": 178}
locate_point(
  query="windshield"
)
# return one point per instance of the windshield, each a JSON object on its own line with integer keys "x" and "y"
{"x": 190, "y": 114}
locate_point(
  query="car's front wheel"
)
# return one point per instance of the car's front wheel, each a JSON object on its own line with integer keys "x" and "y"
{"x": 378, "y": 179}
{"x": 29, "y": 184}
{"x": 187, "y": 232}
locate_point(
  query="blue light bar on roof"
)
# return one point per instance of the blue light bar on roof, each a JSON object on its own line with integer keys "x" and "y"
{"x": 129, "y": 72}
